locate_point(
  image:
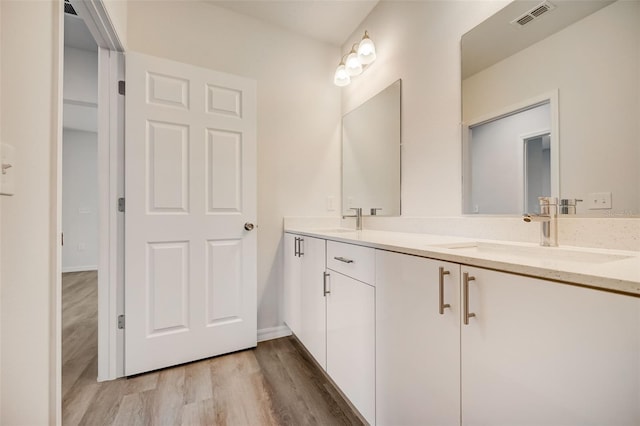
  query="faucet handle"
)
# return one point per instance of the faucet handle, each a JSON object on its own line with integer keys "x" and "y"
{"x": 548, "y": 201}
{"x": 357, "y": 209}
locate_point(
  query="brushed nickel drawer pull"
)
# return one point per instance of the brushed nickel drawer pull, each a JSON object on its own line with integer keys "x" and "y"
{"x": 441, "y": 285}
{"x": 325, "y": 289}
{"x": 343, "y": 259}
{"x": 465, "y": 297}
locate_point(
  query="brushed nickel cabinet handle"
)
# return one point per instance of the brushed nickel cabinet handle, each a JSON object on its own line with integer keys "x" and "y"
{"x": 343, "y": 259}
{"x": 325, "y": 288}
{"x": 296, "y": 245}
{"x": 300, "y": 247}
{"x": 465, "y": 297}
{"x": 443, "y": 305}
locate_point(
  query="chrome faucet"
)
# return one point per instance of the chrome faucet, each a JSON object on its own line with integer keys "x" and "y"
{"x": 548, "y": 219}
{"x": 358, "y": 217}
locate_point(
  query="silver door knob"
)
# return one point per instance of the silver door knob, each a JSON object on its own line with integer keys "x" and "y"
{"x": 248, "y": 226}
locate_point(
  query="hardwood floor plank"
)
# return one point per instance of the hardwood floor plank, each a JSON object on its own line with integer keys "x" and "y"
{"x": 133, "y": 409}
{"x": 275, "y": 384}
{"x": 198, "y": 385}
{"x": 80, "y": 395}
{"x": 166, "y": 408}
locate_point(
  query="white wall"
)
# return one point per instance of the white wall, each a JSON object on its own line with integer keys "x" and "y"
{"x": 79, "y": 201}
{"x": 599, "y": 127}
{"x": 117, "y": 11}
{"x": 298, "y": 112}
{"x": 80, "y": 75}
{"x": 80, "y": 89}
{"x": 419, "y": 42}
{"x": 30, "y": 45}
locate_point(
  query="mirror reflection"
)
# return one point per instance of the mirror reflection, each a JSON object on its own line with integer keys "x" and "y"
{"x": 509, "y": 162}
{"x": 371, "y": 155}
{"x": 588, "y": 53}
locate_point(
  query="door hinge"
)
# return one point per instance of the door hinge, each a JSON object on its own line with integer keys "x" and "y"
{"x": 121, "y": 204}
{"x": 120, "y": 322}
{"x": 121, "y": 87}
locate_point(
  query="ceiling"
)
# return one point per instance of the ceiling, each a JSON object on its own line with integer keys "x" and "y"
{"x": 330, "y": 21}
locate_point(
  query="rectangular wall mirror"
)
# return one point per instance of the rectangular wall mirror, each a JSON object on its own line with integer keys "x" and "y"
{"x": 587, "y": 53}
{"x": 371, "y": 155}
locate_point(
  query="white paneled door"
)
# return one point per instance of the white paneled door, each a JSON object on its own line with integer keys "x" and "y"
{"x": 190, "y": 264}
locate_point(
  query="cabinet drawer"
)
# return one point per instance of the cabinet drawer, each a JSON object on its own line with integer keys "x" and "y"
{"x": 353, "y": 261}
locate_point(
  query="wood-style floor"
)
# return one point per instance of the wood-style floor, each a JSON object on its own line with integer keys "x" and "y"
{"x": 275, "y": 384}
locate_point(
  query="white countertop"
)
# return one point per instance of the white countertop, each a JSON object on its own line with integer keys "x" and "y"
{"x": 613, "y": 270}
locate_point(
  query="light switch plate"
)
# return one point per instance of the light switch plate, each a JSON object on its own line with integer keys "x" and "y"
{"x": 8, "y": 161}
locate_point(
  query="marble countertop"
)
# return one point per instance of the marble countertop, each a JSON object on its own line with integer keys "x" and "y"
{"x": 612, "y": 270}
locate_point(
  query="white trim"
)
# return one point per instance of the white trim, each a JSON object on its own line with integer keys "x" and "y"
{"x": 111, "y": 187}
{"x": 95, "y": 16}
{"x": 523, "y": 158}
{"x": 85, "y": 268}
{"x": 273, "y": 333}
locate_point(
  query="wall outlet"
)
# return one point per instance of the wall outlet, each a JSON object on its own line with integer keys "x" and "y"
{"x": 599, "y": 200}
{"x": 331, "y": 203}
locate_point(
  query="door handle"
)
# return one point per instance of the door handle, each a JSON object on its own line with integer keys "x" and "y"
{"x": 441, "y": 285}
{"x": 248, "y": 226}
{"x": 465, "y": 297}
{"x": 343, "y": 259}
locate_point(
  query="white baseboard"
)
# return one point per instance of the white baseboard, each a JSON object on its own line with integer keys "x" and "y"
{"x": 273, "y": 333}
{"x": 79, "y": 268}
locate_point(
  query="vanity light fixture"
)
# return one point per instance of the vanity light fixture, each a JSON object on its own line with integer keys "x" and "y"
{"x": 353, "y": 63}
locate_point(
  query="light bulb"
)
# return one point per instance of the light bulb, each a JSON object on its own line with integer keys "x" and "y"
{"x": 353, "y": 65}
{"x": 366, "y": 50}
{"x": 341, "y": 77}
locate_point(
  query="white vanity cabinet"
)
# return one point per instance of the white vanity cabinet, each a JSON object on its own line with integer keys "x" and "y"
{"x": 542, "y": 353}
{"x": 305, "y": 311}
{"x": 417, "y": 346}
{"x": 418, "y": 341}
{"x": 351, "y": 324}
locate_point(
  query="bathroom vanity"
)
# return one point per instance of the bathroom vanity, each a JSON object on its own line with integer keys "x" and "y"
{"x": 430, "y": 329}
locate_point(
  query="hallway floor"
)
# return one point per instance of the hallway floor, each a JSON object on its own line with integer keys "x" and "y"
{"x": 274, "y": 384}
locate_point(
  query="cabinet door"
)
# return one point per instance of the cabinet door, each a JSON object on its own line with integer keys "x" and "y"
{"x": 312, "y": 306}
{"x": 292, "y": 283}
{"x": 417, "y": 347}
{"x": 543, "y": 353}
{"x": 351, "y": 341}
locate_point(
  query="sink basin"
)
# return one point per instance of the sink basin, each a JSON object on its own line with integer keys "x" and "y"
{"x": 551, "y": 253}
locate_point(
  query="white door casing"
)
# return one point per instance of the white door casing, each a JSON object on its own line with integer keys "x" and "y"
{"x": 190, "y": 265}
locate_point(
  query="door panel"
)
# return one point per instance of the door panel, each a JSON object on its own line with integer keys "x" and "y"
{"x": 190, "y": 267}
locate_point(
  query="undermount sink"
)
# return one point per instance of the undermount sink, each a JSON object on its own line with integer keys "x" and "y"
{"x": 551, "y": 253}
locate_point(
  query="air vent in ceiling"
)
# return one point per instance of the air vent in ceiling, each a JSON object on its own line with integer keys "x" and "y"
{"x": 533, "y": 14}
{"x": 68, "y": 8}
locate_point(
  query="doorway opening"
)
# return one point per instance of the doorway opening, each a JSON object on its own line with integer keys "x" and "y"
{"x": 80, "y": 207}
